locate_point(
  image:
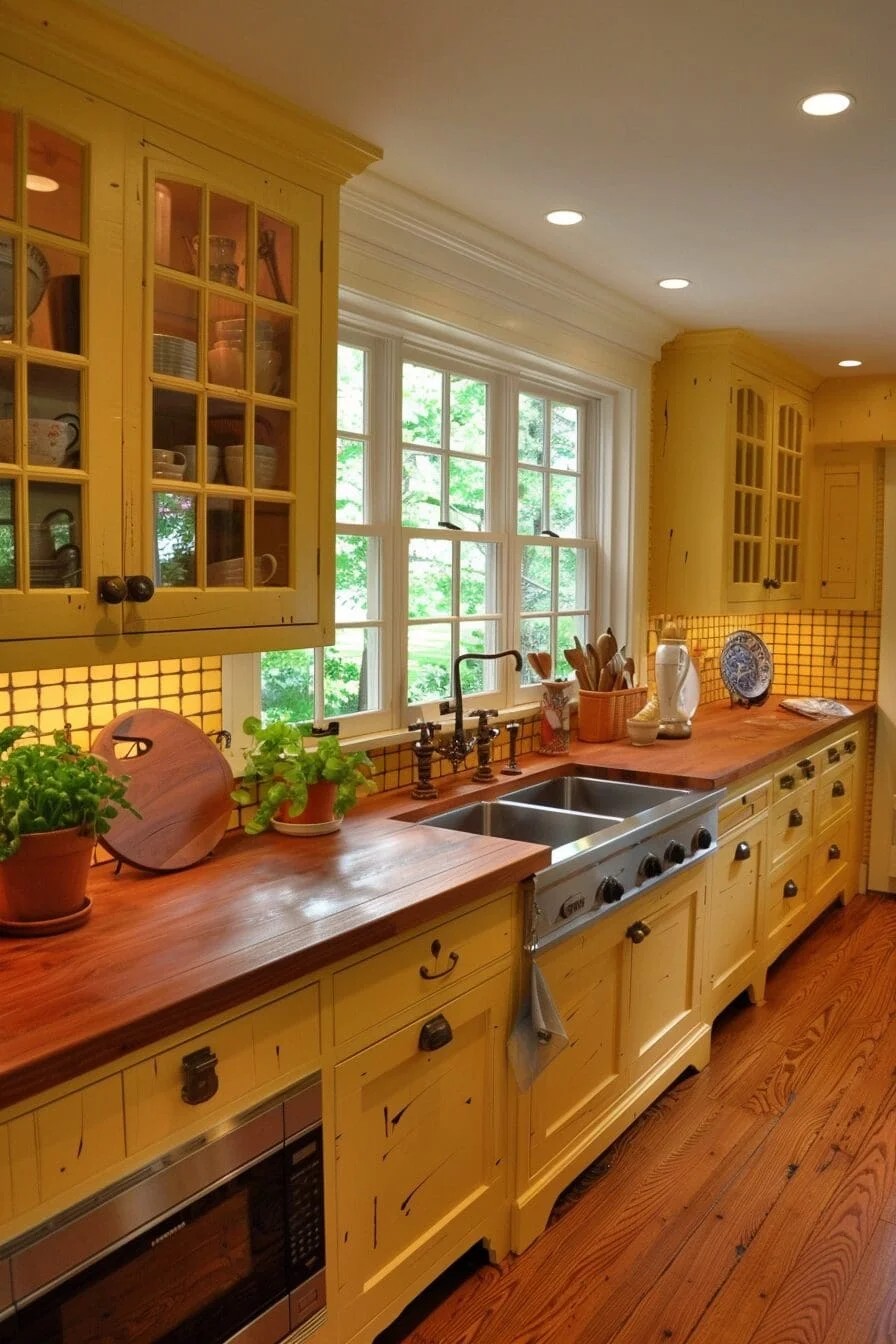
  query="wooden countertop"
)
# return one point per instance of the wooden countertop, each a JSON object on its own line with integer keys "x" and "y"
{"x": 163, "y": 951}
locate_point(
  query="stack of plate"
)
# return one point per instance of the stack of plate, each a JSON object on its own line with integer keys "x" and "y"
{"x": 174, "y": 355}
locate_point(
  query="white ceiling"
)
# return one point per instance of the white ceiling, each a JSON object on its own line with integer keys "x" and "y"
{"x": 674, "y": 127}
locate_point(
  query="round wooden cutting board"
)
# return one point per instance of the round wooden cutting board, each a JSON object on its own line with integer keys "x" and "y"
{"x": 180, "y": 784}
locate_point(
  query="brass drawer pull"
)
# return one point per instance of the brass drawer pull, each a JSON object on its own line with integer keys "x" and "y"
{"x": 838, "y": 789}
{"x": 807, "y": 767}
{"x": 795, "y": 818}
{"x": 200, "y": 1078}
{"x": 453, "y": 959}
{"x": 849, "y": 747}
{"x": 834, "y": 852}
{"x": 790, "y": 889}
{"x": 638, "y": 931}
{"x": 787, "y": 781}
{"x": 742, "y": 851}
{"x": 435, "y": 1033}
{"x": 833, "y": 755}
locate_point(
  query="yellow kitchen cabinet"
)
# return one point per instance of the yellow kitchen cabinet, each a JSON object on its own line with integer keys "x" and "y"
{"x": 167, "y": 378}
{"x": 79, "y": 1136}
{"x": 728, "y": 484}
{"x": 734, "y": 921}
{"x": 628, "y": 992}
{"x": 421, "y": 1147}
{"x": 841, "y": 554}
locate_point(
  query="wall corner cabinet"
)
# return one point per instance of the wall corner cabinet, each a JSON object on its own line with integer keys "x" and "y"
{"x": 730, "y": 423}
{"x": 167, "y": 365}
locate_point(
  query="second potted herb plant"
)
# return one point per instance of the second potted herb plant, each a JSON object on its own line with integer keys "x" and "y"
{"x": 304, "y": 790}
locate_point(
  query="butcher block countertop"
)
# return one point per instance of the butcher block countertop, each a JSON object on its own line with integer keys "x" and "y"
{"x": 161, "y": 952}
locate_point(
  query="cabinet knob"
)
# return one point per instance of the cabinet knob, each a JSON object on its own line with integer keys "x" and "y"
{"x": 790, "y": 889}
{"x": 140, "y": 587}
{"x": 111, "y": 589}
{"x": 638, "y": 931}
{"x": 849, "y": 747}
{"x": 834, "y": 852}
{"x": 787, "y": 781}
{"x": 771, "y": 583}
{"x": 838, "y": 789}
{"x": 833, "y": 755}
{"x": 742, "y": 851}
{"x": 795, "y": 818}
{"x": 200, "y": 1079}
{"x": 435, "y": 1033}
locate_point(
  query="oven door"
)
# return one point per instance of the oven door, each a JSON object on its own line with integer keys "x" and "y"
{"x": 205, "y": 1249}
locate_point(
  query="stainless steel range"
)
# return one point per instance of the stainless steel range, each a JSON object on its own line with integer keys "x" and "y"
{"x": 610, "y": 841}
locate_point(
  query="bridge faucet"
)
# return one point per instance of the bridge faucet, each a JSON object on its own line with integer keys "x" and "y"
{"x": 460, "y": 745}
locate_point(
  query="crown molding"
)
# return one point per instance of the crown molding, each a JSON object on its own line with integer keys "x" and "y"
{"x": 382, "y": 220}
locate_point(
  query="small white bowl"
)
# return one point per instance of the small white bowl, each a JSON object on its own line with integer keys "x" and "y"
{"x": 642, "y": 732}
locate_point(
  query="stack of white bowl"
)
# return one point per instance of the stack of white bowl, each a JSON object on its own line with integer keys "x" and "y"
{"x": 227, "y": 356}
{"x": 266, "y": 460}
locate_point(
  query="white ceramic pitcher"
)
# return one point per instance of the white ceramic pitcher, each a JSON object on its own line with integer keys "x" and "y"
{"x": 672, "y": 664}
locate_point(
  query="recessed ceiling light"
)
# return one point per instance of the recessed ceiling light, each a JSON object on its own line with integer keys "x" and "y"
{"x": 849, "y": 363}
{"x": 34, "y": 182}
{"x": 827, "y": 104}
{"x": 674, "y": 282}
{"x": 564, "y": 217}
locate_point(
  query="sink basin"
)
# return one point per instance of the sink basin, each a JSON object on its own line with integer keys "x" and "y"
{"x": 604, "y": 797}
{"x": 508, "y": 821}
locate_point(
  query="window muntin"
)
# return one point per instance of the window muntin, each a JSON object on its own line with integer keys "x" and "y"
{"x": 444, "y": 419}
{"x": 549, "y": 471}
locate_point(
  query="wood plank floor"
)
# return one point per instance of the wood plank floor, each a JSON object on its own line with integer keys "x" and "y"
{"x": 754, "y": 1203}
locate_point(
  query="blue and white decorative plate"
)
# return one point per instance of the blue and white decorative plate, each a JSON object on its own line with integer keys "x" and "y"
{"x": 747, "y": 668}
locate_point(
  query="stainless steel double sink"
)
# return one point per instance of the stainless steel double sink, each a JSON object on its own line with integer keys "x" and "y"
{"x": 564, "y": 810}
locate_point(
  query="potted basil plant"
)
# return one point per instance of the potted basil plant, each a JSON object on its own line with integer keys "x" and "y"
{"x": 55, "y": 799}
{"x": 305, "y": 790}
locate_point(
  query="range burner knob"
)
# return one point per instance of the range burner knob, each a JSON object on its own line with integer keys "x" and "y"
{"x": 610, "y": 890}
{"x": 651, "y": 866}
{"x": 675, "y": 852}
{"x": 702, "y": 839}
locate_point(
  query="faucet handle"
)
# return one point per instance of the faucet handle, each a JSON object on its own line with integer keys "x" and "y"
{"x": 483, "y": 715}
{"x": 447, "y": 706}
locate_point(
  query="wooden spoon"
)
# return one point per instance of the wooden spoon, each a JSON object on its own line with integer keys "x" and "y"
{"x": 605, "y": 649}
{"x": 578, "y": 661}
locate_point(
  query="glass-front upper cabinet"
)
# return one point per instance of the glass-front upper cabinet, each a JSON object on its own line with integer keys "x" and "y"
{"x": 229, "y": 454}
{"x": 60, "y": 378}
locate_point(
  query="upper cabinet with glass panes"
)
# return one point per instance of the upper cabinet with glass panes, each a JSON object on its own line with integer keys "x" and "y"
{"x": 166, "y": 427}
{"x": 731, "y": 419}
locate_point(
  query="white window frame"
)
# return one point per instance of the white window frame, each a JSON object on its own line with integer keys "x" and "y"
{"x": 607, "y": 488}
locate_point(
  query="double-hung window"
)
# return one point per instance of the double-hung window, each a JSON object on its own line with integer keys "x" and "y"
{"x": 466, "y": 517}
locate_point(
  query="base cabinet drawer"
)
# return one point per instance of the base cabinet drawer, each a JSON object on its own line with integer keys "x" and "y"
{"x": 787, "y": 899}
{"x": 790, "y": 825}
{"x": 76, "y": 1138}
{"x": 420, "y": 969}
{"x": 420, "y": 1147}
{"x": 831, "y": 866}
{"x": 835, "y": 794}
{"x": 202, "y": 1077}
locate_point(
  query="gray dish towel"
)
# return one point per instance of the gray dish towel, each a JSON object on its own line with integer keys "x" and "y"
{"x": 538, "y": 1034}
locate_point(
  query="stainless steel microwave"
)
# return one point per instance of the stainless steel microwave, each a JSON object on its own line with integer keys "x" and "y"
{"x": 221, "y": 1241}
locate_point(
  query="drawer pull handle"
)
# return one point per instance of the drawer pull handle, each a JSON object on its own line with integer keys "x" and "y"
{"x": 807, "y": 767}
{"x": 453, "y": 959}
{"x": 742, "y": 851}
{"x": 790, "y": 889}
{"x": 795, "y": 818}
{"x": 200, "y": 1078}
{"x": 638, "y": 931}
{"x": 834, "y": 852}
{"x": 787, "y": 781}
{"x": 435, "y": 1033}
{"x": 849, "y": 748}
{"x": 833, "y": 755}
{"x": 838, "y": 789}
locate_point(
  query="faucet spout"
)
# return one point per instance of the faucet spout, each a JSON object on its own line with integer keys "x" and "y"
{"x": 458, "y": 694}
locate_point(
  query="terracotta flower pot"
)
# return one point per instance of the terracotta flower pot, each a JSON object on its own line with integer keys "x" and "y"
{"x": 47, "y": 876}
{"x": 317, "y": 817}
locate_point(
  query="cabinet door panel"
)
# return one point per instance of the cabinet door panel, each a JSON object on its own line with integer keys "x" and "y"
{"x": 225, "y": 467}
{"x": 420, "y": 1145}
{"x": 750, "y": 478}
{"x": 665, "y": 972}
{"x": 734, "y": 916}
{"x": 586, "y": 976}
{"x": 60, "y": 367}
{"x": 79, "y": 1136}
{"x": 786, "y": 900}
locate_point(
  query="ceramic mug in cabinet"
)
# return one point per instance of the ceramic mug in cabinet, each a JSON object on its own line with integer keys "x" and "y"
{"x": 49, "y": 442}
{"x": 168, "y": 463}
